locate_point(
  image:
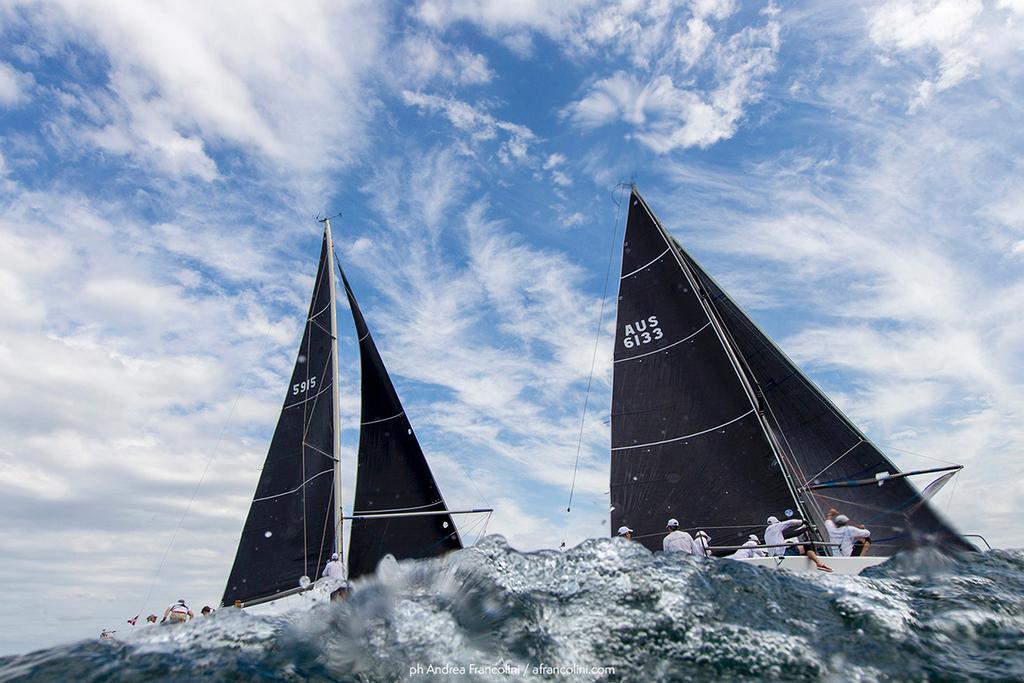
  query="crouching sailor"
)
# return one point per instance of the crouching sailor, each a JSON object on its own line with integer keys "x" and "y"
{"x": 748, "y": 550}
{"x": 178, "y": 612}
{"x": 676, "y": 541}
{"x": 775, "y": 533}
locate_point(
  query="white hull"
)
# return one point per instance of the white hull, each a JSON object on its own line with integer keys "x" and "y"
{"x": 839, "y": 565}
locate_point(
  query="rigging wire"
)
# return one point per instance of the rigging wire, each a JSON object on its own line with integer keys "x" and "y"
{"x": 919, "y": 455}
{"x": 593, "y": 358}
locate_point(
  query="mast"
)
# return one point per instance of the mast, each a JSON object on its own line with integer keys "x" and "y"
{"x": 339, "y": 515}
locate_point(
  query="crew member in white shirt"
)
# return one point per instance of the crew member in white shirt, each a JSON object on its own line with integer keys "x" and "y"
{"x": 845, "y": 534}
{"x": 335, "y": 569}
{"x": 749, "y": 549}
{"x": 775, "y": 533}
{"x": 676, "y": 541}
{"x": 701, "y": 541}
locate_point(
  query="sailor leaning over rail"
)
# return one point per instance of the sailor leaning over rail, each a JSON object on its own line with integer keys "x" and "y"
{"x": 178, "y": 612}
{"x": 749, "y": 549}
{"x": 676, "y": 541}
{"x": 775, "y": 533}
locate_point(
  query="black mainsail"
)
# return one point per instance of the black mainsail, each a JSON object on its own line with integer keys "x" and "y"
{"x": 713, "y": 425}
{"x": 686, "y": 439}
{"x": 398, "y": 508}
{"x": 288, "y": 533}
{"x": 295, "y": 520}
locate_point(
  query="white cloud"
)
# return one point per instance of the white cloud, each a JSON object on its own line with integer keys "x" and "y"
{"x": 423, "y": 58}
{"x": 479, "y": 124}
{"x": 958, "y": 35}
{"x": 284, "y": 82}
{"x": 14, "y": 86}
{"x": 688, "y": 83}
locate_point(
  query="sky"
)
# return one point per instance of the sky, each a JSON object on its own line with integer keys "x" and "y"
{"x": 850, "y": 172}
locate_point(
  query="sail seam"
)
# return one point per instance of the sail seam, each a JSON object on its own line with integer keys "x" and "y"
{"x": 294, "y": 490}
{"x": 308, "y": 398}
{"x": 646, "y": 264}
{"x": 310, "y": 318}
{"x": 686, "y": 436}
{"x": 383, "y": 419}
{"x": 663, "y": 348}
{"x": 364, "y": 336}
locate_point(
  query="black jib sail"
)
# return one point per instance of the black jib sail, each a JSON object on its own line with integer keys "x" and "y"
{"x": 288, "y": 533}
{"x": 393, "y": 480}
{"x": 824, "y": 446}
{"x": 687, "y": 442}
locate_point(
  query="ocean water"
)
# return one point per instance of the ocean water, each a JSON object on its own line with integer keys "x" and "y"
{"x": 605, "y": 610}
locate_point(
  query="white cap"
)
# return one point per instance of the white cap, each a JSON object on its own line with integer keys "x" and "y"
{"x": 623, "y": 530}
{"x": 672, "y": 523}
{"x": 334, "y": 556}
{"x": 841, "y": 519}
{"x": 703, "y": 534}
{"x": 773, "y": 520}
{"x": 753, "y": 537}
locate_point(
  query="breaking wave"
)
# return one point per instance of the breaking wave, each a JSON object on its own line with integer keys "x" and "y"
{"x": 607, "y": 609}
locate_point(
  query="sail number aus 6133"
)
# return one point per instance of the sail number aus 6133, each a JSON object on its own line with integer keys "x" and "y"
{"x": 303, "y": 387}
{"x": 641, "y": 332}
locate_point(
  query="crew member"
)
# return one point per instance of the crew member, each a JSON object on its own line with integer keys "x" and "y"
{"x": 775, "y": 533}
{"x": 749, "y": 549}
{"x": 676, "y": 541}
{"x": 178, "y": 612}
{"x": 701, "y": 541}
{"x": 335, "y": 569}
{"x": 797, "y": 548}
{"x": 845, "y": 534}
{"x": 626, "y": 533}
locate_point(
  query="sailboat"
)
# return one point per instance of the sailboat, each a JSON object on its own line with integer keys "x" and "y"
{"x": 296, "y": 518}
{"x": 713, "y": 425}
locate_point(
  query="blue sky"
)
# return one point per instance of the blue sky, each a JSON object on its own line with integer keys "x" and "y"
{"x": 850, "y": 172}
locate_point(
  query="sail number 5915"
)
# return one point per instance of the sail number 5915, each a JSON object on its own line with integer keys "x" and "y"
{"x": 303, "y": 387}
{"x": 641, "y": 332}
